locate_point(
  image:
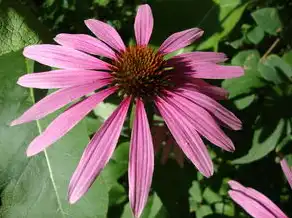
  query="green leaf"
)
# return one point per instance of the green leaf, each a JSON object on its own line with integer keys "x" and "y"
{"x": 104, "y": 110}
{"x": 117, "y": 194}
{"x": 118, "y": 164}
{"x": 251, "y": 80}
{"x": 230, "y": 13}
{"x": 195, "y": 193}
{"x": 151, "y": 210}
{"x": 268, "y": 19}
{"x": 279, "y": 64}
{"x": 244, "y": 102}
{"x": 261, "y": 148}
{"x": 92, "y": 125}
{"x": 288, "y": 57}
{"x": 256, "y": 35}
{"x": 18, "y": 27}
{"x": 211, "y": 197}
{"x": 269, "y": 73}
{"x": 216, "y": 18}
{"x": 37, "y": 186}
{"x": 204, "y": 210}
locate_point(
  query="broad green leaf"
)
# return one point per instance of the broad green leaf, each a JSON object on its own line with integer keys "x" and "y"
{"x": 18, "y": 27}
{"x": 251, "y": 80}
{"x": 118, "y": 165}
{"x": 261, "y": 148}
{"x": 203, "y": 210}
{"x": 282, "y": 68}
{"x": 195, "y": 193}
{"x": 211, "y": 197}
{"x": 288, "y": 57}
{"x": 256, "y": 35}
{"x": 37, "y": 186}
{"x": 92, "y": 124}
{"x": 269, "y": 73}
{"x": 117, "y": 194}
{"x": 268, "y": 19}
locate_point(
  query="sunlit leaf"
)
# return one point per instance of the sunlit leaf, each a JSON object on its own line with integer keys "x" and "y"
{"x": 268, "y": 19}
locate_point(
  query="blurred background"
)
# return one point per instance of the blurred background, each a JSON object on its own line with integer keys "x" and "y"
{"x": 255, "y": 34}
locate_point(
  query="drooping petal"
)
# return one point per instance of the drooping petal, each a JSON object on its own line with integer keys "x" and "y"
{"x": 141, "y": 160}
{"x": 97, "y": 153}
{"x": 180, "y": 40}
{"x": 198, "y": 57}
{"x": 202, "y": 121}
{"x": 186, "y": 137}
{"x": 254, "y": 202}
{"x": 57, "y": 100}
{"x": 216, "y": 109}
{"x": 61, "y": 78}
{"x": 106, "y": 33}
{"x": 66, "y": 121}
{"x": 63, "y": 57}
{"x": 214, "y": 71}
{"x": 143, "y": 24}
{"x": 214, "y": 92}
{"x": 287, "y": 171}
{"x": 86, "y": 44}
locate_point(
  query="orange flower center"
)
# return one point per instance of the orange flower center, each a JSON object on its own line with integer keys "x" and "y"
{"x": 140, "y": 72}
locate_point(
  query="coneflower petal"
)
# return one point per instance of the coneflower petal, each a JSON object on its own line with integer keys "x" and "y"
{"x": 97, "y": 153}
{"x": 66, "y": 121}
{"x": 214, "y": 71}
{"x": 141, "y": 161}
{"x": 198, "y": 57}
{"x": 202, "y": 121}
{"x": 61, "y": 78}
{"x": 254, "y": 202}
{"x": 86, "y": 44}
{"x": 143, "y": 25}
{"x": 57, "y": 100}
{"x": 216, "y": 109}
{"x": 214, "y": 92}
{"x": 63, "y": 57}
{"x": 287, "y": 171}
{"x": 180, "y": 40}
{"x": 106, "y": 33}
{"x": 186, "y": 137}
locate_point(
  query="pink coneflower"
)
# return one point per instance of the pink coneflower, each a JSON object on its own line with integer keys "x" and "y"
{"x": 137, "y": 74}
{"x": 287, "y": 171}
{"x": 253, "y": 202}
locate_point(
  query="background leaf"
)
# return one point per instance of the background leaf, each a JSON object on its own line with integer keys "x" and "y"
{"x": 268, "y": 19}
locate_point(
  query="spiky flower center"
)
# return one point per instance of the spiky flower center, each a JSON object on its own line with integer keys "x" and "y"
{"x": 139, "y": 71}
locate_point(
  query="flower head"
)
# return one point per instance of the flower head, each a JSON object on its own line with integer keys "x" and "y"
{"x": 254, "y": 202}
{"x": 137, "y": 74}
